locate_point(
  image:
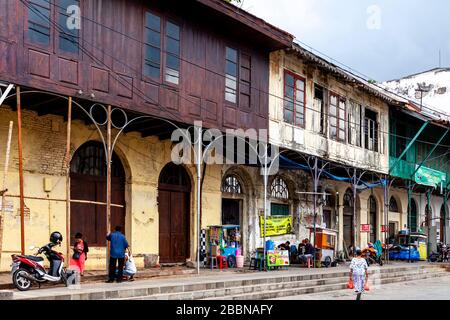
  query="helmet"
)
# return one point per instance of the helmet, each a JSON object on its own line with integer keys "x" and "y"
{"x": 56, "y": 237}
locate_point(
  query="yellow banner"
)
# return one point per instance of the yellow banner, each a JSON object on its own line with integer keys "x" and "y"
{"x": 276, "y": 225}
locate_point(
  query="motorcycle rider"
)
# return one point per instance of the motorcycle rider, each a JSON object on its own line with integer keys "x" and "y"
{"x": 56, "y": 238}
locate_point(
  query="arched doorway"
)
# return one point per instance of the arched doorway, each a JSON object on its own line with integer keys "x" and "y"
{"x": 412, "y": 216}
{"x": 373, "y": 219}
{"x": 348, "y": 219}
{"x": 88, "y": 193}
{"x": 442, "y": 224}
{"x": 174, "y": 190}
{"x": 232, "y": 201}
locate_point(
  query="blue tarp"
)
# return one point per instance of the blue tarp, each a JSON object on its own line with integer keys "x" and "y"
{"x": 286, "y": 163}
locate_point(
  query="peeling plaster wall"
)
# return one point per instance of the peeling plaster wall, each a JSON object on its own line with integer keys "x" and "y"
{"x": 308, "y": 140}
{"x": 44, "y": 145}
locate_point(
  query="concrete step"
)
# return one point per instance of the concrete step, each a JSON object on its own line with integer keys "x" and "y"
{"x": 211, "y": 287}
{"x": 320, "y": 289}
{"x": 250, "y": 289}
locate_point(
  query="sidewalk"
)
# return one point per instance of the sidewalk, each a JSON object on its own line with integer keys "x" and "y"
{"x": 175, "y": 277}
{"x": 101, "y": 276}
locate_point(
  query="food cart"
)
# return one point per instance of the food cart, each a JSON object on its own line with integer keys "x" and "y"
{"x": 409, "y": 247}
{"x": 325, "y": 243}
{"x": 224, "y": 240}
{"x": 418, "y": 240}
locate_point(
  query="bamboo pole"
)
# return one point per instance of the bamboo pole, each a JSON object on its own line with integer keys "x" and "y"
{"x": 108, "y": 184}
{"x": 22, "y": 202}
{"x": 4, "y": 189}
{"x": 67, "y": 168}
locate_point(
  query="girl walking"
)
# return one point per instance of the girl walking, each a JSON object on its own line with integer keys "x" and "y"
{"x": 359, "y": 273}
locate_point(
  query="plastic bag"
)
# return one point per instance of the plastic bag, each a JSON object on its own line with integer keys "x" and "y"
{"x": 366, "y": 286}
{"x": 350, "y": 284}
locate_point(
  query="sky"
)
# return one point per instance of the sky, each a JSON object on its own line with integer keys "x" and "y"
{"x": 381, "y": 39}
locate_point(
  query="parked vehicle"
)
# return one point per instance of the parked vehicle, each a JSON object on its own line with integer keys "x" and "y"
{"x": 372, "y": 256}
{"x": 27, "y": 269}
{"x": 442, "y": 254}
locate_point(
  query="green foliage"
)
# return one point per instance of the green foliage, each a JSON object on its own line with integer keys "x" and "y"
{"x": 372, "y": 81}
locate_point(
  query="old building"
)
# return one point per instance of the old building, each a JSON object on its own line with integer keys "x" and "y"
{"x": 149, "y": 68}
{"x": 419, "y": 164}
{"x": 320, "y": 111}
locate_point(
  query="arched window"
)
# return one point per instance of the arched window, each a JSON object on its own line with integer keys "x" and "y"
{"x": 393, "y": 206}
{"x": 90, "y": 160}
{"x": 442, "y": 223}
{"x": 231, "y": 185}
{"x": 348, "y": 198}
{"x": 279, "y": 189}
{"x": 280, "y": 194}
{"x": 373, "y": 218}
{"x": 412, "y": 218}
{"x": 174, "y": 175}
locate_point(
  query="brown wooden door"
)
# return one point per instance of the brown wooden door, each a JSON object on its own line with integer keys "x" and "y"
{"x": 173, "y": 208}
{"x": 173, "y": 226}
{"x": 348, "y": 230}
{"x": 88, "y": 183}
{"x": 231, "y": 211}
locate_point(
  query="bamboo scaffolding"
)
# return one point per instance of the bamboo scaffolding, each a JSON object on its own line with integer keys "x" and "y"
{"x": 4, "y": 188}
{"x": 67, "y": 168}
{"x": 22, "y": 202}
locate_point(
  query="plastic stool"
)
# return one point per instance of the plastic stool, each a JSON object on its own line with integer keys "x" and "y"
{"x": 222, "y": 262}
{"x": 213, "y": 262}
{"x": 309, "y": 262}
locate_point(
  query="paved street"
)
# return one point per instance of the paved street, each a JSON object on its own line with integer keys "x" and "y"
{"x": 429, "y": 289}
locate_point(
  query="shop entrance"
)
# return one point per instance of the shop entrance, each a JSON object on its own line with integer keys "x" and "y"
{"x": 88, "y": 193}
{"x": 174, "y": 191}
{"x": 348, "y": 219}
{"x": 231, "y": 212}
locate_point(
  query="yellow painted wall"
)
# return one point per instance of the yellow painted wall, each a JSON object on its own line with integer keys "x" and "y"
{"x": 44, "y": 144}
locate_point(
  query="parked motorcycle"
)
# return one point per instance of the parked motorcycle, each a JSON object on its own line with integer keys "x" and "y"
{"x": 27, "y": 269}
{"x": 371, "y": 256}
{"x": 442, "y": 254}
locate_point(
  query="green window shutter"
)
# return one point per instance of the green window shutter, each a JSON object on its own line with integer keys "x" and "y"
{"x": 277, "y": 209}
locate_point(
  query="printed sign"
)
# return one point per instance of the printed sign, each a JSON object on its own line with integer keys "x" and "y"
{"x": 429, "y": 177}
{"x": 365, "y": 228}
{"x": 278, "y": 259}
{"x": 384, "y": 228}
{"x": 276, "y": 225}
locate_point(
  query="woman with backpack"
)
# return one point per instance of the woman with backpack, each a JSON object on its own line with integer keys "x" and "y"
{"x": 79, "y": 257}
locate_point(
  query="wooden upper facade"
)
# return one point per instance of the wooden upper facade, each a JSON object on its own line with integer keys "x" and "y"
{"x": 181, "y": 60}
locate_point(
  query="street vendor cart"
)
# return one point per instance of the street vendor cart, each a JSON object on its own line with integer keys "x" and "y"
{"x": 224, "y": 242}
{"x": 325, "y": 243}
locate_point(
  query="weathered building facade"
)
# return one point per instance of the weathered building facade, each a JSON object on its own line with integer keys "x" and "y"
{"x": 319, "y": 110}
{"x": 159, "y": 66}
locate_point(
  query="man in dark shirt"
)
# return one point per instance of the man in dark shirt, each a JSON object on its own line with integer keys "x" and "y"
{"x": 116, "y": 254}
{"x": 309, "y": 248}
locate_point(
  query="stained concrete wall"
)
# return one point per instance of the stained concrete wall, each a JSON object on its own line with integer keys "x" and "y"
{"x": 309, "y": 140}
{"x": 44, "y": 144}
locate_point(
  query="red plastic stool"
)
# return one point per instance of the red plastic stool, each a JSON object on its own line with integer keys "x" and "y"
{"x": 222, "y": 262}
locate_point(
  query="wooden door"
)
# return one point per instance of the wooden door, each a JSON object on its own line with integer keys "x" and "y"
{"x": 231, "y": 212}
{"x": 88, "y": 194}
{"x": 173, "y": 208}
{"x": 348, "y": 230}
{"x": 173, "y": 226}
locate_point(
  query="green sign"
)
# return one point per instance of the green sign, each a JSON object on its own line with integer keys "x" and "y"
{"x": 276, "y": 225}
{"x": 429, "y": 177}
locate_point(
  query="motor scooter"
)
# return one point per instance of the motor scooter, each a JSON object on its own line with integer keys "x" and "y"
{"x": 29, "y": 269}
